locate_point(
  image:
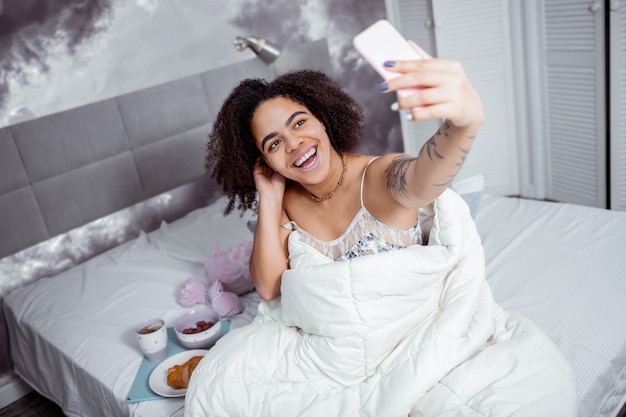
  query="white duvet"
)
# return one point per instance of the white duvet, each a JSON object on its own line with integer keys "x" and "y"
{"x": 409, "y": 332}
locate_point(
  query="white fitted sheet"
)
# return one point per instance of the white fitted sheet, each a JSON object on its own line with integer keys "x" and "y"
{"x": 561, "y": 265}
{"x": 564, "y": 267}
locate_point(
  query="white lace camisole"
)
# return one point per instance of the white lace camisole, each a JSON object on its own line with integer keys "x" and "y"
{"x": 365, "y": 235}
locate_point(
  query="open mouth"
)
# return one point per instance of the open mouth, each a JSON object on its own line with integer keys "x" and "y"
{"x": 306, "y": 160}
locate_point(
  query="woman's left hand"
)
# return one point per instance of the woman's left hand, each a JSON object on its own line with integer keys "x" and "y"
{"x": 444, "y": 92}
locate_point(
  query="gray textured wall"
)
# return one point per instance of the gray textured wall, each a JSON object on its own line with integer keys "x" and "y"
{"x": 67, "y": 53}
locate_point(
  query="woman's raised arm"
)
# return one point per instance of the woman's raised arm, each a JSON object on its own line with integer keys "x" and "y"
{"x": 444, "y": 93}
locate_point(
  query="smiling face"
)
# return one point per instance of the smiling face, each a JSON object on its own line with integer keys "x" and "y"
{"x": 293, "y": 142}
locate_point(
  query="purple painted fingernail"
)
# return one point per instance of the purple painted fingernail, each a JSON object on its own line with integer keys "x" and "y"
{"x": 389, "y": 64}
{"x": 383, "y": 87}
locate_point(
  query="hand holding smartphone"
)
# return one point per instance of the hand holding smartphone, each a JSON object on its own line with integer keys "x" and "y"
{"x": 382, "y": 42}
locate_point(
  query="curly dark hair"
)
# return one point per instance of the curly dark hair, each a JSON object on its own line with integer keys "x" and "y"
{"x": 232, "y": 151}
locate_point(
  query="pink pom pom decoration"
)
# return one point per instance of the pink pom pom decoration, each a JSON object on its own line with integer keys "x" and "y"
{"x": 193, "y": 291}
{"x": 228, "y": 277}
{"x": 231, "y": 268}
{"x": 225, "y": 303}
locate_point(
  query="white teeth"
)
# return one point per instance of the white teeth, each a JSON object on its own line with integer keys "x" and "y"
{"x": 306, "y": 156}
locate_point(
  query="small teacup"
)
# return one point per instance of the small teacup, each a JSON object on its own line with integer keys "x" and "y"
{"x": 152, "y": 338}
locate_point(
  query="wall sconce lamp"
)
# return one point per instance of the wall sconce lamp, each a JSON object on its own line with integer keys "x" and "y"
{"x": 265, "y": 50}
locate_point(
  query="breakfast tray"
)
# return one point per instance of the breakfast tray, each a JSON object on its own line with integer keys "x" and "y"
{"x": 140, "y": 390}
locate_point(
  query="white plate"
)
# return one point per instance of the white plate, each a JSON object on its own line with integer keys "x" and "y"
{"x": 158, "y": 377}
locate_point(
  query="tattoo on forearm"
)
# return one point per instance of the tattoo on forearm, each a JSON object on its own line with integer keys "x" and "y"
{"x": 397, "y": 170}
{"x": 396, "y": 174}
{"x": 430, "y": 148}
{"x": 465, "y": 152}
{"x": 431, "y": 151}
{"x": 443, "y": 129}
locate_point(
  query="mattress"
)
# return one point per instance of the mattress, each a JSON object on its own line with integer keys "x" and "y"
{"x": 563, "y": 266}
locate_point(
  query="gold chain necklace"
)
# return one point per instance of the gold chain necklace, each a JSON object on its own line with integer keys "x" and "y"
{"x": 330, "y": 194}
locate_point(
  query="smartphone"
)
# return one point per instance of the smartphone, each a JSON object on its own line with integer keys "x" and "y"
{"x": 382, "y": 42}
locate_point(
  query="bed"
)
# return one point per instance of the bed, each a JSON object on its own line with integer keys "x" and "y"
{"x": 560, "y": 265}
{"x": 70, "y": 327}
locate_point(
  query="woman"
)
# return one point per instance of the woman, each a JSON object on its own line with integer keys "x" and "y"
{"x": 364, "y": 314}
{"x": 299, "y": 130}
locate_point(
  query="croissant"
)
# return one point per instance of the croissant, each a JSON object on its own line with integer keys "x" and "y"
{"x": 178, "y": 375}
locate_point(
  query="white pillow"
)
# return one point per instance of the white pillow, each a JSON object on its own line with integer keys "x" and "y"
{"x": 203, "y": 229}
{"x": 471, "y": 190}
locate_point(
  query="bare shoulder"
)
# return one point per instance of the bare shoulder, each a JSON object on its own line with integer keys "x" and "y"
{"x": 376, "y": 177}
{"x": 377, "y": 194}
